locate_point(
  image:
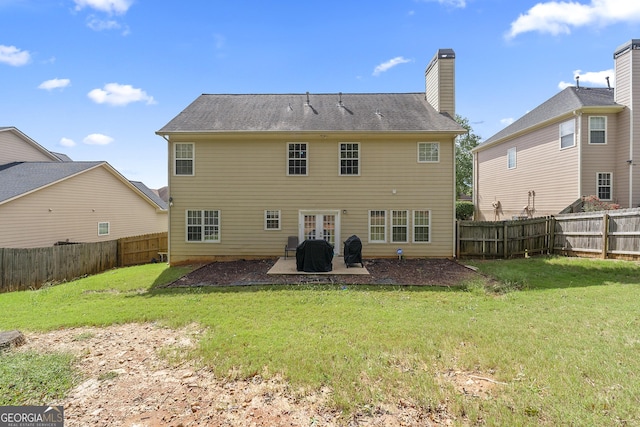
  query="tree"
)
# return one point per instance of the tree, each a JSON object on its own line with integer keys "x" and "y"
{"x": 464, "y": 158}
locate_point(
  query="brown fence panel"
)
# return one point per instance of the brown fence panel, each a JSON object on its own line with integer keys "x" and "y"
{"x": 141, "y": 249}
{"x": 22, "y": 269}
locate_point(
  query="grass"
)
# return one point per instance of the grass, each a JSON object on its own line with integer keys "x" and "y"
{"x": 561, "y": 333}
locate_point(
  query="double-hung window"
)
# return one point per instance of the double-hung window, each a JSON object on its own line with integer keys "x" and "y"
{"x": 511, "y": 158}
{"x": 271, "y": 220}
{"x": 604, "y": 186}
{"x": 203, "y": 226}
{"x": 349, "y": 158}
{"x": 377, "y": 226}
{"x": 597, "y": 130}
{"x": 421, "y": 226}
{"x": 297, "y": 158}
{"x": 400, "y": 226}
{"x": 428, "y": 152}
{"x": 183, "y": 158}
{"x": 567, "y": 134}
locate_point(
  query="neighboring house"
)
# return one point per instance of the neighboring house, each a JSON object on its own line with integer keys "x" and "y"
{"x": 581, "y": 142}
{"x": 247, "y": 171}
{"x": 45, "y": 198}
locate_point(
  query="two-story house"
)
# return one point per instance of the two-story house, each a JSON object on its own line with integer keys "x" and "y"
{"x": 246, "y": 171}
{"x": 46, "y": 198}
{"x": 581, "y": 142}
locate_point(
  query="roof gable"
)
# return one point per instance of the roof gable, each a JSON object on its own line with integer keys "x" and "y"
{"x": 405, "y": 112}
{"x": 564, "y": 102}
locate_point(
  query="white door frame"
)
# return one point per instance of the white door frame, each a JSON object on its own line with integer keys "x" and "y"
{"x": 319, "y": 214}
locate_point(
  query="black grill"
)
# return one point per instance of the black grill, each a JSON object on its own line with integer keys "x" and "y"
{"x": 353, "y": 251}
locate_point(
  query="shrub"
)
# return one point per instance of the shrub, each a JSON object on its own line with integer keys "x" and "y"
{"x": 464, "y": 210}
{"x": 593, "y": 204}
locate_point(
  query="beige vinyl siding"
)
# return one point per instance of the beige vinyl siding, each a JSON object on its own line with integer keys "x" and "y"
{"x": 71, "y": 209}
{"x": 243, "y": 178}
{"x": 16, "y": 149}
{"x": 541, "y": 166}
{"x": 600, "y": 157}
{"x": 440, "y": 86}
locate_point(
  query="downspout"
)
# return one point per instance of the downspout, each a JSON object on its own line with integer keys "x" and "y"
{"x": 455, "y": 200}
{"x": 166, "y": 138}
{"x": 579, "y": 142}
{"x": 631, "y": 124}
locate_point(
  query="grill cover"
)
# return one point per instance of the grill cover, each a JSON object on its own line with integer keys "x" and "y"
{"x": 353, "y": 251}
{"x": 314, "y": 256}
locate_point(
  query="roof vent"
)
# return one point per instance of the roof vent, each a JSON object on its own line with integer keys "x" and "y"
{"x": 608, "y": 84}
{"x": 379, "y": 113}
{"x": 290, "y": 108}
{"x": 578, "y": 82}
{"x": 308, "y": 103}
{"x": 340, "y": 104}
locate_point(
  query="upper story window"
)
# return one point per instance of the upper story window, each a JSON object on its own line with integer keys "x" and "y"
{"x": 567, "y": 134}
{"x": 349, "y": 158}
{"x": 297, "y": 157}
{"x": 597, "y": 130}
{"x": 511, "y": 158}
{"x": 428, "y": 152}
{"x": 203, "y": 226}
{"x": 604, "y": 186}
{"x": 184, "y": 157}
{"x": 271, "y": 220}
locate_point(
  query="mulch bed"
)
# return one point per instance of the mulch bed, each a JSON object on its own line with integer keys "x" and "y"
{"x": 391, "y": 271}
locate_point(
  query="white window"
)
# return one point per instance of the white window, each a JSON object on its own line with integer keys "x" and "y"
{"x": 377, "y": 226}
{"x": 597, "y": 130}
{"x": 297, "y": 157}
{"x": 428, "y": 152}
{"x": 349, "y": 158}
{"x": 604, "y": 186}
{"x": 421, "y": 226}
{"x": 567, "y": 134}
{"x": 184, "y": 156}
{"x": 511, "y": 158}
{"x": 203, "y": 226}
{"x": 103, "y": 229}
{"x": 271, "y": 220}
{"x": 400, "y": 226}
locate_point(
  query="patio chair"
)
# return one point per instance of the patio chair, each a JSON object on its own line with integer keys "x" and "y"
{"x": 292, "y": 244}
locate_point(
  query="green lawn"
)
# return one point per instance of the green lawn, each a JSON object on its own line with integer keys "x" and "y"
{"x": 562, "y": 334}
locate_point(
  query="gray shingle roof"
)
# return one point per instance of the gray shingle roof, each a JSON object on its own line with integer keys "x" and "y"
{"x": 150, "y": 194}
{"x": 22, "y": 177}
{"x": 381, "y": 112}
{"x": 568, "y": 100}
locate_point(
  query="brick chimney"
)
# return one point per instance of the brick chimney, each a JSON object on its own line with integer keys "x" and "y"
{"x": 440, "y": 82}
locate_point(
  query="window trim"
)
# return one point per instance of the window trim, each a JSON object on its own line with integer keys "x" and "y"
{"x": 437, "y": 144}
{"x": 393, "y": 226}
{"x": 202, "y": 226}
{"x": 560, "y": 131}
{"x": 417, "y": 227}
{"x": 175, "y": 159}
{"x": 384, "y": 226}
{"x": 358, "y": 159}
{"x": 108, "y": 224}
{"x": 512, "y": 152}
{"x": 277, "y": 219}
{"x": 306, "y": 159}
{"x": 600, "y": 130}
{"x": 610, "y": 186}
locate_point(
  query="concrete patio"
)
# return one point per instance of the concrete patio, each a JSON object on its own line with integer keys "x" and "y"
{"x": 288, "y": 266}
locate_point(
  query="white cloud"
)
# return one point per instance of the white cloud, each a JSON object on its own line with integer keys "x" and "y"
{"x": 67, "y": 142}
{"x": 559, "y": 17}
{"x": 117, "y": 7}
{"x": 454, "y": 3}
{"x": 54, "y": 84}
{"x": 97, "y": 24}
{"x": 117, "y": 94}
{"x": 13, "y": 56}
{"x": 385, "y": 66}
{"x": 591, "y": 78}
{"x": 97, "y": 139}
{"x": 507, "y": 121}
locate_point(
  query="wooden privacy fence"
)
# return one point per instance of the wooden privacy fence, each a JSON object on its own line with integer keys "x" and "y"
{"x": 22, "y": 269}
{"x": 607, "y": 234}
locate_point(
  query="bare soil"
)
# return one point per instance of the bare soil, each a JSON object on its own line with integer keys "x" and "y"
{"x": 128, "y": 378}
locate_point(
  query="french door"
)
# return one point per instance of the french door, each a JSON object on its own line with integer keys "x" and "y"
{"x": 317, "y": 225}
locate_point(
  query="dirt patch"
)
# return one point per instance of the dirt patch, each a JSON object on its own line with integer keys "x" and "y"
{"x": 127, "y": 383}
{"x": 419, "y": 272}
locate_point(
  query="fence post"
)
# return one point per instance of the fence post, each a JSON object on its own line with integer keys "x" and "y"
{"x": 605, "y": 235}
{"x": 505, "y": 249}
{"x": 552, "y": 234}
{"x": 457, "y": 239}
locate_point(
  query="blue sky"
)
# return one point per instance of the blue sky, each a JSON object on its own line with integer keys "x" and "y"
{"x": 94, "y": 79}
